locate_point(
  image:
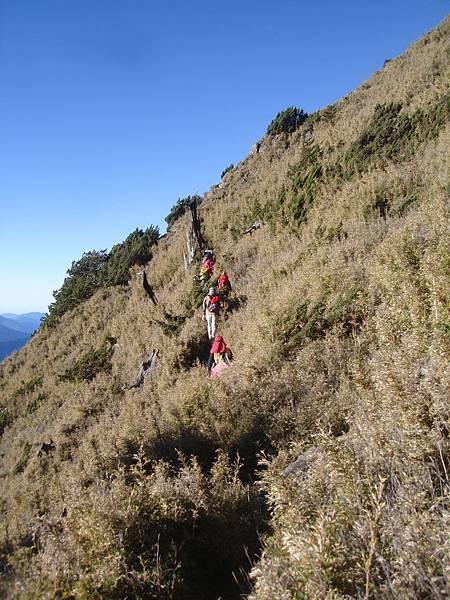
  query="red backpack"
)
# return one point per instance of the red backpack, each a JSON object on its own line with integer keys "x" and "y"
{"x": 223, "y": 281}
{"x": 213, "y": 304}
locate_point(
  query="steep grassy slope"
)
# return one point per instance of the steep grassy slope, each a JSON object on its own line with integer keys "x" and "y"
{"x": 340, "y": 332}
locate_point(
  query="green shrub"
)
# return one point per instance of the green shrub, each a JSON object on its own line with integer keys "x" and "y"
{"x": 400, "y": 205}
{"x": 225, "y": 171}
{"x": 326, "y": 115}
{"x": 287, "y": 121}
{"x": 135, "y": 250}
{"x": 302, "y": 188}
{"x": 388, "y": 204}
{"x": 4, "y": 419}
{"x": 389, "y": 136}
{"x": 34, "y": 404}
{"x": 23, "y": 459}
{"x": 254, "y": 213}
{"x": 392, "y": 135}
{"x": 306, "y": 321}
{"x": 28, "y": 387}
{"x": 196, "y": 296}
{"x": 296, "y": 197}
{"x": 90, "y": 364}
{"x": 98, "y": 268}
{"x": 171, "y": 324}
{"x": 84, "y": 277}
{"x": 181, "y": 206}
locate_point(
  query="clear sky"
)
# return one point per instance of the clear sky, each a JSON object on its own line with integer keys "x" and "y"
{"x": 111, "y": 110}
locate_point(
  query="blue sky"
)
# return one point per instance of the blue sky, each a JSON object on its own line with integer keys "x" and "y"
{"x": 110, "y": 111}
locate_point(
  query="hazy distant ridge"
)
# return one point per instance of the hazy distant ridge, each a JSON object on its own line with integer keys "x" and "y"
{"x": 15, "y": 330}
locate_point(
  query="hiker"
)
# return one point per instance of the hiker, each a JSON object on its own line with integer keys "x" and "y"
{"x": 208, "y": 254}
{"x": 207, "y": 267}
{"x": 211, "y": 307}
{"x": 219, "y": 356}
{"x": 224, "y": 285}
{"x": 206, "y": 270}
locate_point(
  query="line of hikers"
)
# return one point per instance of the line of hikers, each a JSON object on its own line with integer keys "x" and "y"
{"x": 220, "y": 355}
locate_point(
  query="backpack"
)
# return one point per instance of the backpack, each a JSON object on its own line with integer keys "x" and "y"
{"x": 213, "y": 304}
{"x": 224, "y": 281}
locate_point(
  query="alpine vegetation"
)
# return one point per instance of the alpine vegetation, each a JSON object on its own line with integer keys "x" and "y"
{"x": 275, "y": 423}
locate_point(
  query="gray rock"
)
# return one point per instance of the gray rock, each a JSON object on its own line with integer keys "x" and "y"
{"x": 254, "y": 227}
{"x": 146, "y": 367}
{"x": 255, "y": 149}
{"x": 301, "y": 464}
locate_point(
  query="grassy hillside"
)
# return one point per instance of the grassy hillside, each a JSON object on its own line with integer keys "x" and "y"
{"x": 341, "y": 335}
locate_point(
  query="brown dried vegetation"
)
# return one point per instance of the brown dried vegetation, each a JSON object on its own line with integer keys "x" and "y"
{"x": 341, "y": 341}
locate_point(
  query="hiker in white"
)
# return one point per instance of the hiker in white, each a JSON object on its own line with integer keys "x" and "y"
{"x": 211, "y": 305}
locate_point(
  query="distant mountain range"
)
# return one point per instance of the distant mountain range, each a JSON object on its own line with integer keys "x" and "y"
{"x": 15, "y": 331}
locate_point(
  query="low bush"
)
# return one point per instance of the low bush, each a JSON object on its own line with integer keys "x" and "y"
{"x": 387, "y": 203}
{"x": 4, "y": 419}
{"x": 135, "y": 250}
{"x": 195, "y": 349}
{"x": 195, "y": 297}
{"x": 287, "y": 121}
{"x": 227, "y": 170}
{"x": 297, "y": 196}
{"x": 404, "y": 203}
{"x": 28, "y": 387}
{"x": 306, "y": 321}
{"x": 34, "y": 404}
{"x": 181, "y": 206}
{"x": 23, "y": 459}
{"x": 327, "y": 115}
{"x": 392, "y": 135}
{"x": 90, "y": 364}
{"x": 83, "y": 278}
{"x": 98, "y": 268}
{"x": 171, "y": 324}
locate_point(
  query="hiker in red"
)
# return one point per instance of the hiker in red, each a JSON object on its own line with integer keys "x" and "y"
{"x": 219, "y": 356}
{"x": 207, "y": 266}
{"x": 224, "y": 284}
{"x": 211, "y": 307}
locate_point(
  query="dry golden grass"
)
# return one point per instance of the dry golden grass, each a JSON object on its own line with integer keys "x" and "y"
{"x": 341, "y": 342}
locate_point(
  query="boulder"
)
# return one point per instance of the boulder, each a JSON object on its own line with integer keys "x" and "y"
{"x": 301, "y": 464}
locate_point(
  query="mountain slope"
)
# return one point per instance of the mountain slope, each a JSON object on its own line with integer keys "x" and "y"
{"x": 339, "y": 328}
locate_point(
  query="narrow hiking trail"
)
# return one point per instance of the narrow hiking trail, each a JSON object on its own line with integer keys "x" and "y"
{"x": 215, "y": 303}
